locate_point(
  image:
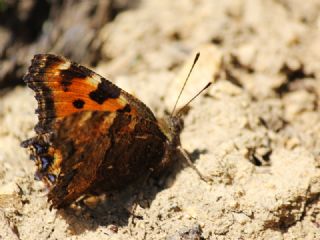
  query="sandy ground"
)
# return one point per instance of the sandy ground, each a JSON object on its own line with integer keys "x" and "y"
{"x": 254, "y": 133}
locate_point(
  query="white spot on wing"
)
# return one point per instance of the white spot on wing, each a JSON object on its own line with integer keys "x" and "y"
{"x": 65, "y": 65}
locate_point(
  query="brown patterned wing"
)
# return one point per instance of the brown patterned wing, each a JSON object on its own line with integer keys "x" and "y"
{"x": 81, "y": 141}
{"x": 102, "y": 152}
{"x": 90, "y": 134}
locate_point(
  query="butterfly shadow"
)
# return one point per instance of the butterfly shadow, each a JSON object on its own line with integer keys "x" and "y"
{"x": 117, "y": 208}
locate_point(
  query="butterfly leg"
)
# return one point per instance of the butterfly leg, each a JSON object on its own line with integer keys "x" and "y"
{"x": 190, "y": 163}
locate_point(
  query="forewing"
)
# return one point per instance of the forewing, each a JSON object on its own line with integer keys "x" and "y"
{"x": 63, "y": 87}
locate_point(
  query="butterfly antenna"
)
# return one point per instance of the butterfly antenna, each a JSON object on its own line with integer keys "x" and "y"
{"x": 187, "y": 104}
{"x": 185, "y": 82}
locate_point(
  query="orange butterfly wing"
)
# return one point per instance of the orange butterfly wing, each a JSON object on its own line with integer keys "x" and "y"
{"x": 63, "y": 88}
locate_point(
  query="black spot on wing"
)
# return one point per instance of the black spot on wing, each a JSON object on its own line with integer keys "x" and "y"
{"x": 104, "y": 91}
{"x": 126, "y": 108}
{"x": 51, "y": 60}
{"x": 74, "y": 71}
{"x": 79, "y": 103}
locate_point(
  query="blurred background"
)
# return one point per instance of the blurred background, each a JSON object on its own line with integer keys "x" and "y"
{"x": 277, "y": 37}
{"x": 69, "y": 28}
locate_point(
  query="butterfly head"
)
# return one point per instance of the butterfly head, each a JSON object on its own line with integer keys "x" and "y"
{"x": 176, "y": 125}
{"x": 172, "y": 127}
{"x": 173, "y": 124}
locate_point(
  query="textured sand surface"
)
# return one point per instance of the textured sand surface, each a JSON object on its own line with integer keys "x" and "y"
{"x": 255, "y": 132}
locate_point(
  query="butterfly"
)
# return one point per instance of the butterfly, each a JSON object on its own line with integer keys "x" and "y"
{"x": 92, "y": 136}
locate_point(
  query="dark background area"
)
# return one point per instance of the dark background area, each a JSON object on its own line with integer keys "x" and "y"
{"x": 69, "y": 28}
